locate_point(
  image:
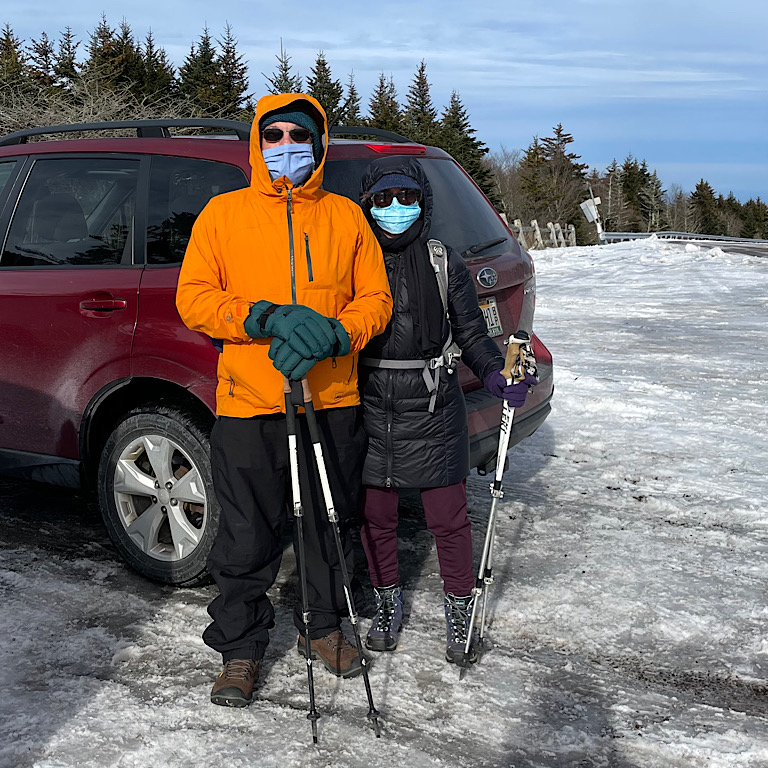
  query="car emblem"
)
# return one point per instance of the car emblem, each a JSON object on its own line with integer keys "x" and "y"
{"x": 487, "y": 277}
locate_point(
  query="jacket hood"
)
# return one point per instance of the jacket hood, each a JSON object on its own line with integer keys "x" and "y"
{"x": 261, "y": 181}
{"x": 407, "y": 166}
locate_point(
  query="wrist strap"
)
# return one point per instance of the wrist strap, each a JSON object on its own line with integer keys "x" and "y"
{"x": 264, "y": 316}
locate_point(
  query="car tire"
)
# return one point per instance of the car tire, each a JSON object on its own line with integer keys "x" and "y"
{"x": 156, "y": 494}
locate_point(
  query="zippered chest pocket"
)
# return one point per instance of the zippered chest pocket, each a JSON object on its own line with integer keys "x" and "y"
{"x": 310, "y": 276}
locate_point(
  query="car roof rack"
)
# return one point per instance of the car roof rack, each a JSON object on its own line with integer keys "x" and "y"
{"x": 361, "y": 130}
{"x": 145, "y": 129}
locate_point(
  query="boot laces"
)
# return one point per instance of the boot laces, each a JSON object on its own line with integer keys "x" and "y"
{"x": 459, "y": 609}
{"x": 385, "y": 610}
{"x": 239, "y": 669}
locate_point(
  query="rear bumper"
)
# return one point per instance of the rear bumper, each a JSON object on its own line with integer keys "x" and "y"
{"x": 482, "y": 407}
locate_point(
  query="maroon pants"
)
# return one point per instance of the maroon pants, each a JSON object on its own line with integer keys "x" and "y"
{"x": 446, "y": 513}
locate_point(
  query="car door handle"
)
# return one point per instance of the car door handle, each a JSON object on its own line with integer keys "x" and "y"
{"x": 103, "y": 305}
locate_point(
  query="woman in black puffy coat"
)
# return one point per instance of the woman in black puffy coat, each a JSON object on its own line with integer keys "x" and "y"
{"x": 413, "y": 406}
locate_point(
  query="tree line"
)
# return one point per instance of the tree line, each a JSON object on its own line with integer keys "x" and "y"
{"x": 113, "y": 75}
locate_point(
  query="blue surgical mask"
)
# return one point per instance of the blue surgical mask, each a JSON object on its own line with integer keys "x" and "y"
{"x": 396, "y": 218}
{"x": 295, "y": 161}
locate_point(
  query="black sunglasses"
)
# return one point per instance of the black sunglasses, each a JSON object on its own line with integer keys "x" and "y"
{"x": 273, "y": 135}
{"x": 384, "y": 198}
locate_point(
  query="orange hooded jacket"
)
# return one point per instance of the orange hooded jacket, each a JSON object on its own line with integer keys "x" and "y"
{"x": 241, "y": 251}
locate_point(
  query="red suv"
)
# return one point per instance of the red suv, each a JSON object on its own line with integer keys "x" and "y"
{"x": 100, "y": 381}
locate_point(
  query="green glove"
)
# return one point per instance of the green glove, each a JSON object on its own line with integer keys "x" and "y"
{"x": 252, "y": 325}
{"x": 343, "y": 344}
{"x": 289, "y": 362}
{"x": 304, "y": 330}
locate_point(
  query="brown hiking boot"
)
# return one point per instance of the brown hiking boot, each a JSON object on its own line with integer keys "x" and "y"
{"x": 338, "y": 655}
{"x": 234, "y": 686}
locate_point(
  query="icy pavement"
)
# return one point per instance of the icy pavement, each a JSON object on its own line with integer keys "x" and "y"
{"x": 629, "y": 611}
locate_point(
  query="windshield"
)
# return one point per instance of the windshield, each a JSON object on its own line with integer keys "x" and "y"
{"x": 461, "y": 216}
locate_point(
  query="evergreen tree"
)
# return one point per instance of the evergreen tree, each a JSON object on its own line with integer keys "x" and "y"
{"x": 420, "y": 116}
{"x": 158, "y": 77}
{"x": 755, "y": 218}
{"x": 199, "y": 74}
{"x": 457, "y": 137}
{"x": 633, "y": 179}
{"x": 12, "y": 58}
{"x": 233, "y": 76}
{"x": 533, "y": 182}
{"x": 731, "y": 215}
{"x": 326, "y": 90}
{"x": 41, "y": 61}
{"x": 65, "y": 64}
{"x": 613, "y": 202}
{"x": 283, "y": 80}
{"x": 566, "y": 178}
{"x": 352, "y": 114}
{"x": 128, "y": 64}
{"x": 704, "y": 205}
{"x": 383, "y": 108}
{"x": 102, "y": 51}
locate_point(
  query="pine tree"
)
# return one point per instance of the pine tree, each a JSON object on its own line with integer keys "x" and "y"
{"x": 565, "y": 178}
{"x": 65, "y": 65}
{"x": 101, "y": 51}
{"x": 383, "y": 108}
{"x": 128, "y": 64}
{"x": 326, "y": 90}
{"x": 420, "y": 116}
{"x": 352, "y": 114}
{"x": 704, "y": 205}
{"x": 633, "y": 179}
{"x": 457, "y": 137}
{"x": 755, "y": 218}
{"x": 158, "y": 77}
{"x": 233, "y": 76}
{"x": 283, "y": 80}
{"x": 199, "y": 75}
{"x": 12, "y": 58}
{"x": 41, "y": 61}
{"x": 533, "y": 182}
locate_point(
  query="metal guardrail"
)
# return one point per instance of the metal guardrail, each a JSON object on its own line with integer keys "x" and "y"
{"x": 738, "y": 244}
{"x": 615, "y": 237}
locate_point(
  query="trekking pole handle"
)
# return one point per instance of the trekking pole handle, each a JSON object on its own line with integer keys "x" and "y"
{"x": 306, "y": 394}
{"x": 514, "y": 364}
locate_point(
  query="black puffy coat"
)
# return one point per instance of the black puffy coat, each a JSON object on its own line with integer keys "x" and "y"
{"x": 409, "y": 447}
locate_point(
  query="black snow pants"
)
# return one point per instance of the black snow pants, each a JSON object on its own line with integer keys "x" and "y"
{"x": 251, "y": 477}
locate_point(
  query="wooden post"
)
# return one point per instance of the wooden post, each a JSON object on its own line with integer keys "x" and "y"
{"x": 552, "y": 235}
{"x": 559, "y": 234}
{"x": 521, "y": 236}
{"x": 539, "y": 243}
{"x": 571, "y": 235}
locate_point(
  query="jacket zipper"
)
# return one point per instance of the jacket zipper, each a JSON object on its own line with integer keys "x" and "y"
{"x": 290, "y": 246}
{"x": 390, "y": 379}
{"x": 231, "y": 387}
{"x": 309, "y": 257}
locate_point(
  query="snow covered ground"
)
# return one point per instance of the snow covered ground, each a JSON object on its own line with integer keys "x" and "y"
{"x": 629, "y": 613}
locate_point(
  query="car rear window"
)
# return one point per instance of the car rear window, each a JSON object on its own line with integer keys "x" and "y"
{"x": 461, "y": 215}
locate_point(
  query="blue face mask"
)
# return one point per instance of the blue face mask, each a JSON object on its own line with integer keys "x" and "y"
{"x": 396, "y": 218}
{"x": 295, "y": 161}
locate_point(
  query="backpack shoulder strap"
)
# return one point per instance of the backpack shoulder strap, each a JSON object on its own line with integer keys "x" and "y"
{"x": 438, "y": 257}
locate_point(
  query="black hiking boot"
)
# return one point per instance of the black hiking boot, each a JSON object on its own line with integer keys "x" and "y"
{"x": 384, "y": 631}
{"x": 458, "y": 612}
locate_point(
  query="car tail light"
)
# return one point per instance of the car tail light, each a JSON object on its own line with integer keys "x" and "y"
{"x": 398, "y": 149}
{"x": 529, "y": 304}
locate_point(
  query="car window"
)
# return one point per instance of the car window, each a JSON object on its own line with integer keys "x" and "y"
{"x": 179, "y": 189}
{"x": 461, "y": 214}
{"x": 74, "y": 211}
{"x": 6, "y": 169}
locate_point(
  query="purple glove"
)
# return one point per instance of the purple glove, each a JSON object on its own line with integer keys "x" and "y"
{"x": 514, "y": 394}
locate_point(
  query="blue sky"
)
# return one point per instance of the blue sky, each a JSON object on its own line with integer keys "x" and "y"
{"x": 682, "y": 84}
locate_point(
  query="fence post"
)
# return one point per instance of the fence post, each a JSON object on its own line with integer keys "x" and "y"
{"x": 537, "y": 234}
{"x": 521, "y": 235}
{"x": 559, "y": 235}
{"x": 552, "y": 235}
{"x": 571, "y": 235}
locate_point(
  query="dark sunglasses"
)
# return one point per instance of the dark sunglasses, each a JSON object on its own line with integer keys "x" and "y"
{"x": 273, "y": 135}
{"x": 384, "y": 198}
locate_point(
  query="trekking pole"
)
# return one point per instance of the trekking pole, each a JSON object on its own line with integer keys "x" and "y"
{"x": 519, "y": 361}
{"x": 298, "y": 513}
{"x": 333, "y": 518}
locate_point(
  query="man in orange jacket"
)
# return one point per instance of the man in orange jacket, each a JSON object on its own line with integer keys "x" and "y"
{"x": 292, "y": 280}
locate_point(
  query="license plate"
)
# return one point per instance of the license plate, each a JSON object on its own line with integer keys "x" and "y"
{"x": 491, "y": 315}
